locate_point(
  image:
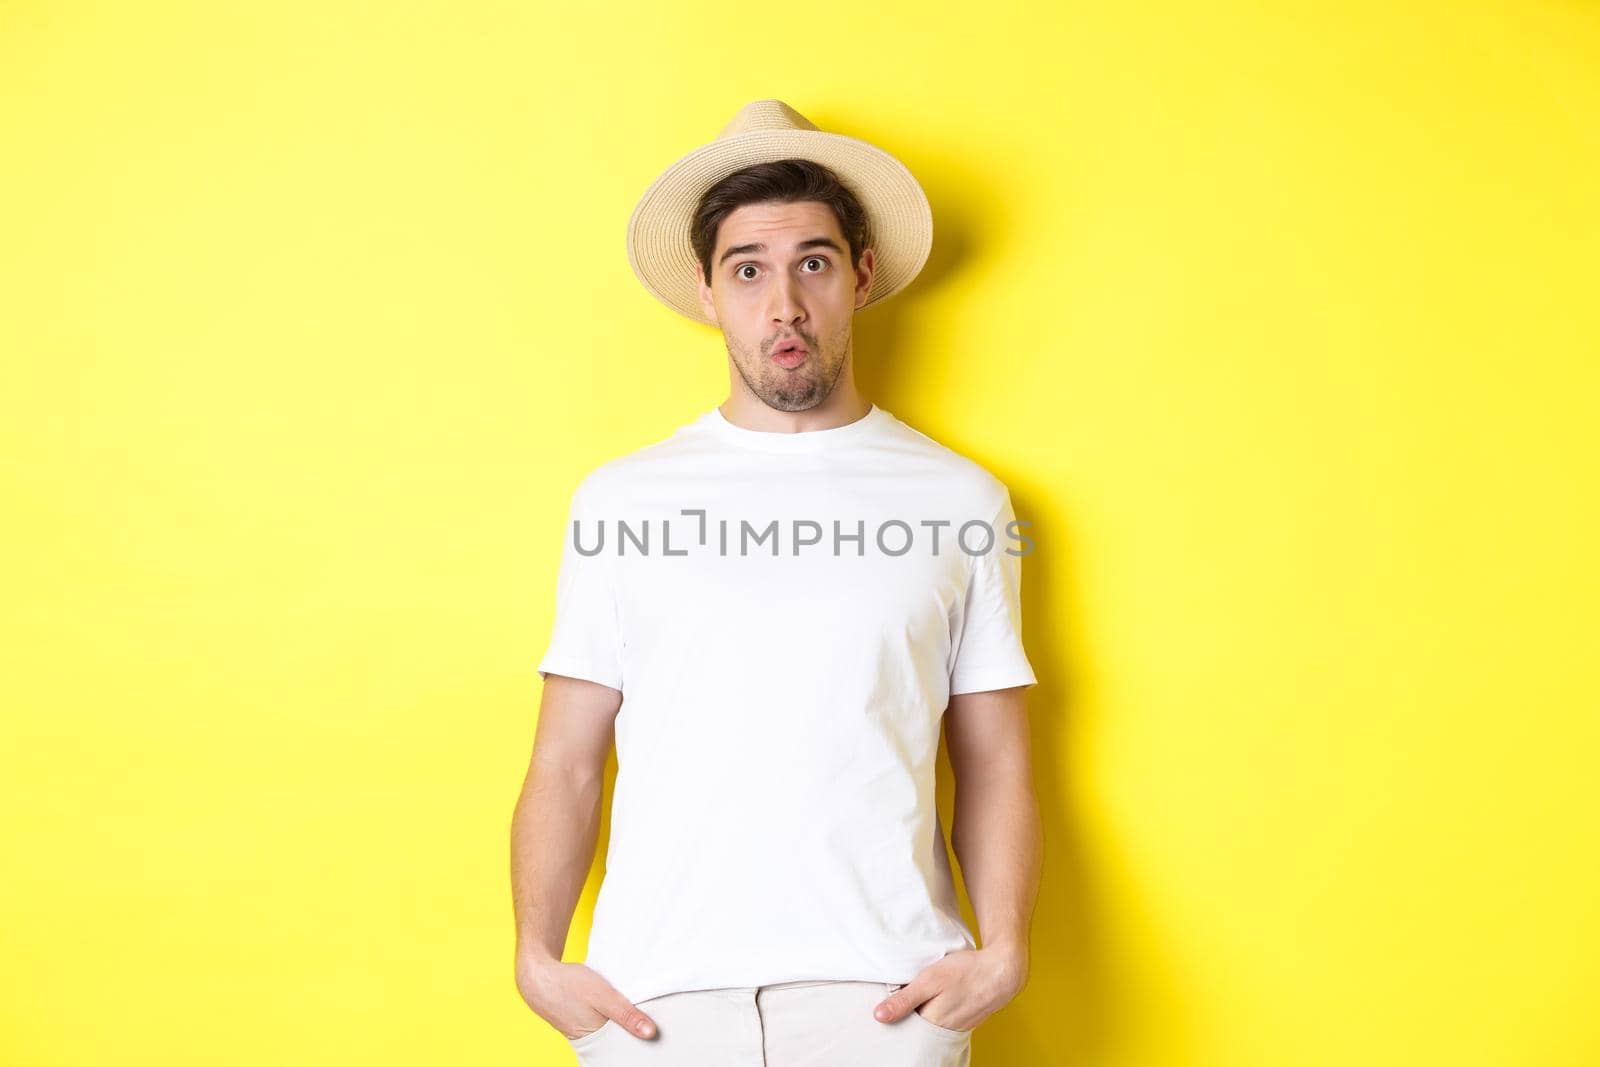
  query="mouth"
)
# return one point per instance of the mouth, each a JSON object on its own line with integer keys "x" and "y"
{"x": 790, "y": 353}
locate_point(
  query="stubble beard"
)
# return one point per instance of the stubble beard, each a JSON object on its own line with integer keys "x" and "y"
{"x": 800, "y": 389}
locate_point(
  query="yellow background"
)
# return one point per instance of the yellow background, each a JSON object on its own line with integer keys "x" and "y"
{"x": 1279, "y": 320}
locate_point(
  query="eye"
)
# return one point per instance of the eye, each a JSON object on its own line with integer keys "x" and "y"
{"x": 816, "y": 259}
{"x": 738, "y": 272}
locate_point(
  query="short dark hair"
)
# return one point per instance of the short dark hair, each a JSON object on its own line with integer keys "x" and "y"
{"x": 785, "y": 181}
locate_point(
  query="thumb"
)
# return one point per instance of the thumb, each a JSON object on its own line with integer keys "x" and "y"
{"x": 627, "y": 1014}
{"x": 901, "y": 1003}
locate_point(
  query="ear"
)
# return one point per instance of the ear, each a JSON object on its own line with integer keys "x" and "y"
{"x": 864, "y": 273}
{"x": 706, "y": 303}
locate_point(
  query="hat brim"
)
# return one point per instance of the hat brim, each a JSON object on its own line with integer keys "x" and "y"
{"x": 899, "y": 218}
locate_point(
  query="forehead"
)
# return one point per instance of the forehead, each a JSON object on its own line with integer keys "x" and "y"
{"x": 778, "y": 225}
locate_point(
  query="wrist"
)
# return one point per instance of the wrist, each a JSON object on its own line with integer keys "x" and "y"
{"x": 1008, "y": 946}
{"x": 533, "y": 953}
{"x": 1013, "y": 953}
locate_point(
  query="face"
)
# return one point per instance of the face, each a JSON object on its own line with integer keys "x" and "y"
{"x": 781, "y": 273}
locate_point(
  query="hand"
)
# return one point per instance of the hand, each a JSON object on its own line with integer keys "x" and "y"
{"x": 575, "y": 1000}
{"x": 963, "y": 988}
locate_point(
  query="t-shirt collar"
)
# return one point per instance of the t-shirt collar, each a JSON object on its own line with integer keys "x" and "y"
{"x": 803, "y": 441}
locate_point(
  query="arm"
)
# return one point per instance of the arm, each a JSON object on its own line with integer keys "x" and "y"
{"x": 557, "y": 818}
{"x": 553, "y": 833}
{"x": 996, "y": 833}
{"x": 998, "y": 841}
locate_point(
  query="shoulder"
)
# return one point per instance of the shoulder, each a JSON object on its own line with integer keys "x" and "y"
{"x": 965, "y": 482}
{"x": 617, "y": 480}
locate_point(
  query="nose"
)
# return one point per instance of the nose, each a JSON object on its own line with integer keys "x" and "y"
{"x": 786, "y": 309}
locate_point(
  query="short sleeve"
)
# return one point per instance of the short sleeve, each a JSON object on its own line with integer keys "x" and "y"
{"x": 586, "y": 639}
{"x": 988, "y": 652}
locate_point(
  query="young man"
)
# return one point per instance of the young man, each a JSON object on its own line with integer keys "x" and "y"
{"x": 788, "y": 595}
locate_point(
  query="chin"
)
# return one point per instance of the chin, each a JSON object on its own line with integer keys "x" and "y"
{"x": 792, "y": 402}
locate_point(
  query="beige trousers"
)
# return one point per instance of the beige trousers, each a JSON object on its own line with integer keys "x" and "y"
{"x": 790, "y": 1024}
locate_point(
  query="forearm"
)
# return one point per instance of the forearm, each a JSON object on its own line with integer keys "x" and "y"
{"x": 999, "y": 841}
{"x": 553, "y": 833}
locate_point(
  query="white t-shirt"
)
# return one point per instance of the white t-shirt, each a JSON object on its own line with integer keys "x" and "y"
{"x": 773, "y": 817}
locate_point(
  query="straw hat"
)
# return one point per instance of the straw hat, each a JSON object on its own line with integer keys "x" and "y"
{"x": 899, "y": 220}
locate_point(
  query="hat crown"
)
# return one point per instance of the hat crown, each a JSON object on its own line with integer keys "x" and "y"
{"x": 765, "y": 115}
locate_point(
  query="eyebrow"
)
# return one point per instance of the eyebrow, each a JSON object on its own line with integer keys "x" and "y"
{"x": 814, "y": 242}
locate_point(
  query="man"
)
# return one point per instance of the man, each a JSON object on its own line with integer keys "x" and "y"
{"x": 771, "y": 610}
